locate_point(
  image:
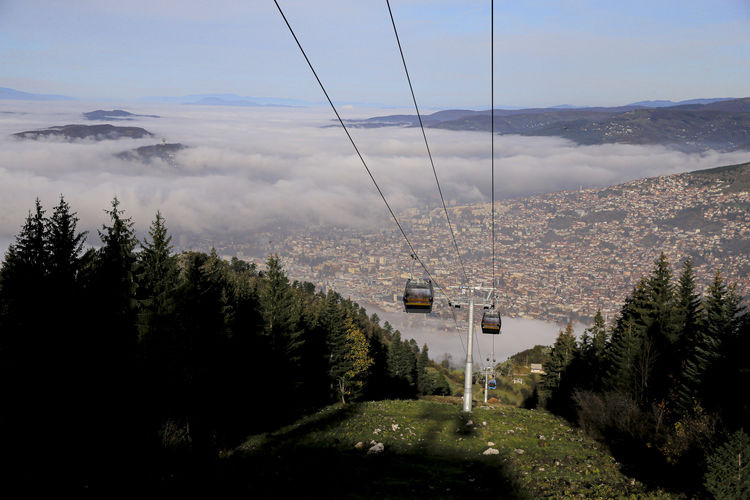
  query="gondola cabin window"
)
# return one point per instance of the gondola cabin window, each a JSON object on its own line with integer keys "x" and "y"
{"x": 418, "y": 296}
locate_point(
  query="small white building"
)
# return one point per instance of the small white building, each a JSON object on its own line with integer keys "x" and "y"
{"x": 536, "y": 368}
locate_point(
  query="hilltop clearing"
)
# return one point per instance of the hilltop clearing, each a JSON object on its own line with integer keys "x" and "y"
{"x": 430, "y": 449}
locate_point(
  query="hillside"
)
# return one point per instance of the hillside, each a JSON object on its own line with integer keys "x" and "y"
{"x": 96, "y": 132}
{"x": 114, "y": 114}
{"x": 430, "y": 449}
{"x": 697, "y": 125}
{"x": 145, "y": 154}
{"x": 736, "y": 177}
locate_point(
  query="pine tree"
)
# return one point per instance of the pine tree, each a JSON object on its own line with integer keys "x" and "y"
{"x": 592, "y": 353}
{"x": 659, "y": 365}
{"x": 622, "y": 353}
{"x": 157, "y": 278}
{"x": 115, "y": 269}
{"x": 332, "y": 324}
{"x": 27, "y": 380}
{"x": 31, "y": 246}
{"x": 65, "y": 246}
{"x": 690, "y": 319}
{"x": 423, "y": 362}
{"x": 199, "y": 342}
{"x": 276, "y": 303}
{"x": 707, "y": 371}
{"x": 402, "y": 367}
{"x": 562, "y": 354}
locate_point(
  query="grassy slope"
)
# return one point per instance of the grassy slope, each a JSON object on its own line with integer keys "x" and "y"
{"x": 432, "y": 453}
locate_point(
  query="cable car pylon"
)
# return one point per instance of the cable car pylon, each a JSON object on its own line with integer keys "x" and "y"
{"x": 469, "y": 292}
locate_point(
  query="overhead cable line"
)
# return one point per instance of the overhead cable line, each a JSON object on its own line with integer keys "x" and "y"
{"x": 492, "y": 128}
{"x": 479, "y": 350}
{"x": 458, "y": 329}
{"x": 403, "y": 233}
{"x": 424, "y": 135}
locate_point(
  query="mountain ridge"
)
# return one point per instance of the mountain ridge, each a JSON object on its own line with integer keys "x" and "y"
{"x": 18, "y": 95}
{"x": 721, "y": 124}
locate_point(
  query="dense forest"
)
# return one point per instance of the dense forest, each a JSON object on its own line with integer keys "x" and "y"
{"x": 131, "y": 365}
{"x": 666, "y": 385}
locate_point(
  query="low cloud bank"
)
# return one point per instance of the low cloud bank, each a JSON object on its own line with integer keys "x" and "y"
{"x": 247, "y": 169}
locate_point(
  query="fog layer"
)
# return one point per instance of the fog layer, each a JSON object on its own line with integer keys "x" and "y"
{"x": 251, "y": 168}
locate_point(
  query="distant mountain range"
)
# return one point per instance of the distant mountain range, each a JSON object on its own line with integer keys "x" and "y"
{"x": 696, "y": 125}
{"x": 115, "y": 114}
{"x": 96, "y": 132}
{"x": 17, "y": 95}
{"x": 666, "y": 104}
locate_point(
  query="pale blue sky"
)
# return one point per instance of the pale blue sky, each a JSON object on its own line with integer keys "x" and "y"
{"x": 547, "y": 53}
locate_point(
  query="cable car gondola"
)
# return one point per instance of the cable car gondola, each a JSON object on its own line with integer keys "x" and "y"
{"x": 492, "y": 384}
{"x": 491, "y": 322}
{"x": 418, "y": 296}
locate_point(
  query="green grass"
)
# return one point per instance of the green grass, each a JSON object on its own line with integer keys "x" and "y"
{"x": 431, "y": 450}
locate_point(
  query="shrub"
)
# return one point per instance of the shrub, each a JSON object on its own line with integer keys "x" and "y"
{"x": 601, "y": 415}
{"x": 728, "y": 474}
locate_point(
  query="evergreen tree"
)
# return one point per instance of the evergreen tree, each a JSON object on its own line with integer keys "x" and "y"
{"x": 423, "y": 362}
{"x": 625, "y": 344}
{"x": 728, "y": 474}
{"x": 111, "y": 335}
{"x": 27, "y": 380}
{"x": 65, "y": 246}
{"x": 198, "y": 370}
{"x": 707, "y": 371}
{"x": 157, "y": 278}
{"x": 658, "y": 364}
{"x": 115, "y": 273}
{"x": 402, "y": 367}
{"x": 332, "y": 324}
{"x": 276, "y": 303}
{"x": 622, "y": 354}
{"x": 690, "y": 321}
{"x": 592, "y": 354}
{"x": 561, "y": 356}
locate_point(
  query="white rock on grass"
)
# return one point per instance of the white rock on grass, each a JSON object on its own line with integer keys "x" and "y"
{"x": 359, "y": 445}
{"x": 490, "y": 443}
{"x": 394, "y": 427}
{"x": 376, "y": 431}
{"x": 519, "y": 451}
{"x": 376, "y": 448}
{"x": 491, "y": 451}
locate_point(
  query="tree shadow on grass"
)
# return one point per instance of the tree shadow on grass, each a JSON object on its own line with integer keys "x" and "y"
{"x": 280, "y": 468}
{"x": 309, "y": 472}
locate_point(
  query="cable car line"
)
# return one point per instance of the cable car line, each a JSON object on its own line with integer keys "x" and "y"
{"x": 492, "y": 128}
{"x": 356, "y": 149}
{"x": 424, "y": 135}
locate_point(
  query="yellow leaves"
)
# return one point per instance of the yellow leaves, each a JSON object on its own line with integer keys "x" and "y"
{"x": 358, "y": 352}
